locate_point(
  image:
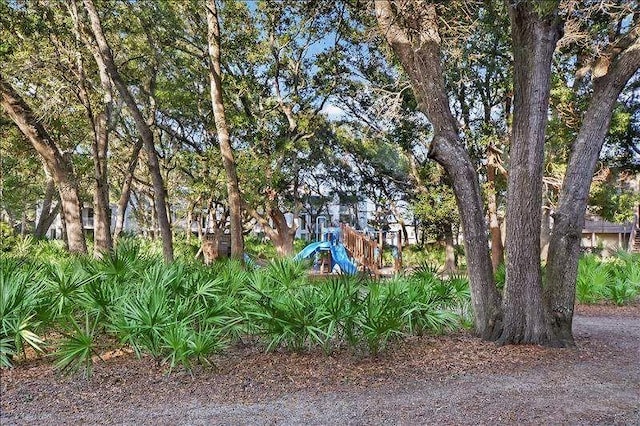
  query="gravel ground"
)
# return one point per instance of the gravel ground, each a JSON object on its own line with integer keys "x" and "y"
{"x": 450, "y": 380}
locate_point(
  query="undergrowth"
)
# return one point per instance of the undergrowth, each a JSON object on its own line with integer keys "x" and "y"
{"x": 182, "y": 313}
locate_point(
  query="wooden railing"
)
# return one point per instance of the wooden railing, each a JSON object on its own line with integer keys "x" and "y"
{"x": 634, "y": 229}
{"x": 363, "y": 249}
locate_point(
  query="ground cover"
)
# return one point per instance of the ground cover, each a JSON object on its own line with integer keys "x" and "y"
{"x": 187, "y": 343}
{"x": 455, "y": 379}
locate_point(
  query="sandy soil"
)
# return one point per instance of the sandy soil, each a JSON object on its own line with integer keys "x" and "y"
{"x": 451, "y": 380}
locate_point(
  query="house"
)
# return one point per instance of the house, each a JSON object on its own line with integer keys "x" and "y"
{"x": 55, "y": 230}
{"x": 599, "y": 234}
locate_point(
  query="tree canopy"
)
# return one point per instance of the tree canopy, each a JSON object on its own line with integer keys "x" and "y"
{"x": 244, "y": 113}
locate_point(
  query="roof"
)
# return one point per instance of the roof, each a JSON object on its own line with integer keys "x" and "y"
{"x": 604, "y": 227}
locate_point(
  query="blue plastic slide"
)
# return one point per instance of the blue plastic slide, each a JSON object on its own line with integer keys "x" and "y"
{"x": 338, "y": 255}
{"x": 309, "y": 250}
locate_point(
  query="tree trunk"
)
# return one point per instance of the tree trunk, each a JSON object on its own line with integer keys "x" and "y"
{"x": 279, "y": 232}
{"x": 143, "y": 128}
{"x": 59, "y": 166}
{"x": 497, "y": 249}
{"x": 564, "y": 246}
{"x": 420, "y": 58}
{"x": 102, "y": 219}
{"x": 99, "y": 122}
{"x": 47, "y": 214}
{"x": 449, "y": 251}
{"x": 102, "y": 211}
{"x": 284, "y": 234}
{"x": 534, "y": 40}
{"x": 64, "y": 236}
{"x": 125, "y": 192}
{"x": 222, "y": 129}
{"x": 45, "y": 224}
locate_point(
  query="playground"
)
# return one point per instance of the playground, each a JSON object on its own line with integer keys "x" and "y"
{"x": 344, "y": 250}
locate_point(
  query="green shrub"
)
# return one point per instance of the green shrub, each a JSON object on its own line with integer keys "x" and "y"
{"x": 291, "y": 318}
{"x": 76, "y": 349}
{"x": 181, "y": 313}
{"x": 382, "y": 314}
{"x": 620, "y": 292}
{"x": 20, "y": 302}
{"x": 616, "y": 279}
{"x": 592, "y": 281}
{"x": 7, "y": 238}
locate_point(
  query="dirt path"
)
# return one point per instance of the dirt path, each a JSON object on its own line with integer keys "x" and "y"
{"x": 453, "y": 380}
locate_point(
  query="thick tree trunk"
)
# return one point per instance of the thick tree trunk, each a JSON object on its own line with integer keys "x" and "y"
{"x": 143, "y": 128}
{"x": 59, "y": 166}
{"x": 222, "y": 129}
{"x": 534, "y": 40}
{"x": 279, "y": 232}
{"x": 564, "y": 246}
{"x": 420, "y": 58}
{"x": 284, "y": 234}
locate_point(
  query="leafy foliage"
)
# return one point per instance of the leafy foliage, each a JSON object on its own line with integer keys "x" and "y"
{"x": 182, "y": 313}
{"x": 616, "y": 279}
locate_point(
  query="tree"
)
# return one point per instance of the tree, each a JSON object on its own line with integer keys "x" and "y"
{"x": 610, "y": 68}
{"x": 531, "y": 313}
{"x": 108, "y": 66}
{"x": 58, "y": 165}
{"x": 222, "y": 129}
{"x": 100, "y": 120}
{"x": 535, "y": 29}
{"x": 411, "y": 29}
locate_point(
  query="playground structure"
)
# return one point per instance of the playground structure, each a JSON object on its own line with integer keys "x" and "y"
{"x": 214, "y": 247}
{"x": 330, "y": 254}
{"x": 365, "y": 250}
{"x": 350, "y": 250}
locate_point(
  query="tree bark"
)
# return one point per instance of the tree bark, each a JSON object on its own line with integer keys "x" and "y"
{"x": 45, "y": 222}
{"x": 279, "y": 232}
{"x": 100, "y": 144}
{"x": 222, "y": 129}
{"x": 125, "y": 191}
{"x": 47, "y": 213}
{"x": 418, "y": 49}
{"x": 449, "y": 250}
{"x": 534, "y": 40}
{"x": 59, "y": 166}
{"x": 143, "y": 128}
{"x": 497, "y": 249}
{"x": 284, "y": 234}
{"x": 564, "y": 245}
